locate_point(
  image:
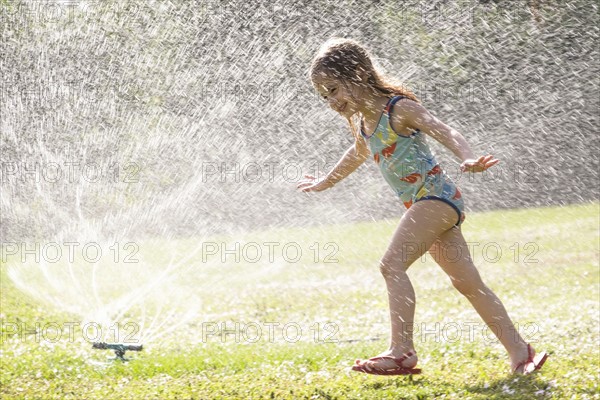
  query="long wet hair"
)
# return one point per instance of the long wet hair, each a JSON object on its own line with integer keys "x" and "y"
{"x": 349, "y": 62}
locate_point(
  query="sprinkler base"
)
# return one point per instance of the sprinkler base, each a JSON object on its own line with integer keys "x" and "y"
{"x": 118, "y": 348}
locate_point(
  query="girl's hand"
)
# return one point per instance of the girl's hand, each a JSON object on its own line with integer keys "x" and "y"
{"x": 479, "y": 165}
{"x": 313, "y": 184}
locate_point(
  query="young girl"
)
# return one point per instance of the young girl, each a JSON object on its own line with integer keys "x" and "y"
{"x": 393, "y": 125}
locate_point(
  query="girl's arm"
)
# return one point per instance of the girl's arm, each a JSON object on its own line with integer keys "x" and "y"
{"x": 414, "y": 115}
{"x": 350, "y": 161}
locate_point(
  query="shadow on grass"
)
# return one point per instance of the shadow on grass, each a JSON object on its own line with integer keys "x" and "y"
{"x": 507, "y": 387}
{"x": 417, "y": 387}
{"x": 512, "y": 387}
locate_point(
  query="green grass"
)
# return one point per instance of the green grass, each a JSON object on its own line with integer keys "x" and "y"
{"x": 547, "y": 276}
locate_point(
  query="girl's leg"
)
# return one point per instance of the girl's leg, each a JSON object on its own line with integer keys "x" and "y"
{"x": 419, "y": 228}
{"x": 451, "y": 252}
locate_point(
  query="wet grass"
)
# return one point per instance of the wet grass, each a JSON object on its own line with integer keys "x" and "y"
{"x": 542, "y": 263}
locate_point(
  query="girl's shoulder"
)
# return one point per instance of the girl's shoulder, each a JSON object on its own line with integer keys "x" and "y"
{"x": 404, "y": 114}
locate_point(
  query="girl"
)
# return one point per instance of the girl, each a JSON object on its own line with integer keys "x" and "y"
{"x": 393, "y": 125}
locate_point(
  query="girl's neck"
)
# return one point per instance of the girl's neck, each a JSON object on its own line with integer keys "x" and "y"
{"x": 372, "y": 106}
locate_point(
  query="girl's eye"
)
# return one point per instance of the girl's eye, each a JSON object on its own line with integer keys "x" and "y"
{"x": 332, "y": 91}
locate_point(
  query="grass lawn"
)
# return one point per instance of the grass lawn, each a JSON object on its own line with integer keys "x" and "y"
{"x": 288, "y": 311}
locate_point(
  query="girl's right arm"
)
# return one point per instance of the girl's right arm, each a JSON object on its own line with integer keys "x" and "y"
{"x": 350, "y": 161}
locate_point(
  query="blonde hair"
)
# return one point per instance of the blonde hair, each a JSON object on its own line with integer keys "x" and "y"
{"x": 349, "y": 62}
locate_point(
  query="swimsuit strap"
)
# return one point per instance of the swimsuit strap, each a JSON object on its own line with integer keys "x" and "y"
{"x": 390, "y": 104}
{"x": 388, "y": 110}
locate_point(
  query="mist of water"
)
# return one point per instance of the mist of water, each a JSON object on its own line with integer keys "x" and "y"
{"x": 148, "y": 128}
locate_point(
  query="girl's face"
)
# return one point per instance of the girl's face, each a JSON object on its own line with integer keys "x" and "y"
{"x": 340, "y": 96}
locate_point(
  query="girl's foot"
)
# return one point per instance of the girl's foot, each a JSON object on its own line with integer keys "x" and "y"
{"x": 526, "y": 361}
{"x": 517, "y": 359}
{"x": 389, "y": 360}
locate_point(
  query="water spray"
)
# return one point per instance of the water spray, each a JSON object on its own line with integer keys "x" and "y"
{"x": 119, "y": 349}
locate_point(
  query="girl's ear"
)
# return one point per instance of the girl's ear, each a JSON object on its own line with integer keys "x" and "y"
{"x": 366, "y": 80}
{"x": 363, "y": 75}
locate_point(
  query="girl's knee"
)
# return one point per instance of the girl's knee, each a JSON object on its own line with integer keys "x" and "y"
{"x": 397, "y": 261}
{"x": 392, "y": 268}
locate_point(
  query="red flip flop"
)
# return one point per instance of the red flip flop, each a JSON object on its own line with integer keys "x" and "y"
{"x": 532, "y": 363}
{"x": 398, "y": 370}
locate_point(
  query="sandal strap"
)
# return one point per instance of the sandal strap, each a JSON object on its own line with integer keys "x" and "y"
{"x": 397, "y": 360}
{"x": 529, "y": 359}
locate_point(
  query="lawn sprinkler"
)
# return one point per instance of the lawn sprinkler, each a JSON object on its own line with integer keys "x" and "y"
{"x": 118, "y": 348}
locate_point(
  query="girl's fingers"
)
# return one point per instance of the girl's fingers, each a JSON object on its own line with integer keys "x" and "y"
{"x": 491, "y": 163}
{"x": 309, "y": 179}
{"x": 304, "y": 184}
{"x": 480, "y": 164}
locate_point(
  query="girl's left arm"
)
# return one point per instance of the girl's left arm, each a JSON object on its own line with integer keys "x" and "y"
{"x": 412, "y": 114}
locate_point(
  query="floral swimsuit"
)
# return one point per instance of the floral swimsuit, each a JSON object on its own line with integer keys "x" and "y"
{"x": 409, "y": 167}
